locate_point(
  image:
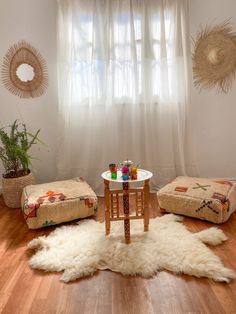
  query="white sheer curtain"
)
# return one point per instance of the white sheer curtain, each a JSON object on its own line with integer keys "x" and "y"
{"x": 123, "y": 86}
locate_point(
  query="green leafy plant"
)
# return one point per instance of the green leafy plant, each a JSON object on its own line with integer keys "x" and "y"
{"x": 14, "y": 149}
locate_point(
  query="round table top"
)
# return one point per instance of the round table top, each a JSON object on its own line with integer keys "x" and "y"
{"x": 142, "y": 176}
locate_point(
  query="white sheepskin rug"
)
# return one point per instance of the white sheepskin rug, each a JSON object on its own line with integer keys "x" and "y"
{"x": 81, "y": 250}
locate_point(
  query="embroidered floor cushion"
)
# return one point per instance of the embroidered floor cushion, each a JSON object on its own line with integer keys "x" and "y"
{"x": 212, "y": 200}
{"x": 52, "y": 203}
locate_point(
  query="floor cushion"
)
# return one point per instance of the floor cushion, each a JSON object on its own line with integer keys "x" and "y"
{"x": 55, "y": 202}
{"x": 207, "y": 199}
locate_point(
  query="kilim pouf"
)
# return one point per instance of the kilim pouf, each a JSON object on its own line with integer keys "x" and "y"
{"x": 55, "y": 202}
{"x": 207, "y": 199}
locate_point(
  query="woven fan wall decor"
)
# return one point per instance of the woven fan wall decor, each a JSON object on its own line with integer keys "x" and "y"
{"x": 19, "y": 54}
{"x": 214, "y": 57}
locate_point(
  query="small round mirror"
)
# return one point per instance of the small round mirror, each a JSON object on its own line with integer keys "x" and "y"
{"x": 25, "y": 72}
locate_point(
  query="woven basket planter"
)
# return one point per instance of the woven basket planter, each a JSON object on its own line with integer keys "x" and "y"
{"x": 12, "y": 189}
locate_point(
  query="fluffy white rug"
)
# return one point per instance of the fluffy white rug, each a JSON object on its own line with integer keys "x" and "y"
{"x": 80, "y": 250}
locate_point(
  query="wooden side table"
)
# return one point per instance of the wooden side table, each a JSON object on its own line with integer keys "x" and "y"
{"x": 112, "y": 205}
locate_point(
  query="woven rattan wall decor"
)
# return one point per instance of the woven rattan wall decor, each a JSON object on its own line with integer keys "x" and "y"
{"x": 214, "y": 57}
{"x": 36, "y": 81}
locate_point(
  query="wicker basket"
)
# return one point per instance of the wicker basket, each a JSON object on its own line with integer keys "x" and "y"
{"x": 12, "y": 189}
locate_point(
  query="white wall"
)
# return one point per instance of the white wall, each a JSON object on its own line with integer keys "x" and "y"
{"x": 213, "y": 113}
{"x": 35, "y": 22}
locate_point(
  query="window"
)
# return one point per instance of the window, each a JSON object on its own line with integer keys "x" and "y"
{"x": 121, "y": 60}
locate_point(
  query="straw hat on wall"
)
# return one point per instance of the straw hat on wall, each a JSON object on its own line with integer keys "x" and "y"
{"x": 214, "y": 57}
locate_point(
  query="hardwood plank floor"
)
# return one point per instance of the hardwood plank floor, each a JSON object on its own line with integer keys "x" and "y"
{"x": 23, "y": 290}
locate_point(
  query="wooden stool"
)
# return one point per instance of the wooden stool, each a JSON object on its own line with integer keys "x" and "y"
{"x": 112, "y": 210}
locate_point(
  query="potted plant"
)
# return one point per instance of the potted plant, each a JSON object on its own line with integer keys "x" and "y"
{"x": 14, "y": 154}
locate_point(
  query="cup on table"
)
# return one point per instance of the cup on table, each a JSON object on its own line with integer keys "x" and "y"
{"x": 134, "y": 173}
{"x": 113, "y": 170}
{"x": 125, "y": 173}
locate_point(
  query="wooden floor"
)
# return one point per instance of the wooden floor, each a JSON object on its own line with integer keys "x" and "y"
{"x": 23, "y": 290}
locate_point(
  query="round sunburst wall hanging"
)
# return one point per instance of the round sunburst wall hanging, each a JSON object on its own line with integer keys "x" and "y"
{"x": 24, "y": 71}
{"x": 214, "y": 57}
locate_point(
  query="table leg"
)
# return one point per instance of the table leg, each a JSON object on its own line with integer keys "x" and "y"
{"x": 146, "y": 204}
{"x": 126, "y": 211}
{"x": 107, "y": 206}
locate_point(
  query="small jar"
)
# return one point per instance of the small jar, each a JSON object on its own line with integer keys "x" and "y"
{"x": 125, "y": 173}
{"x": 125, "y": 177}
{"x": 113, "y": 170}
{"x": 134, "y": 173}
{"x": 114, "y": 174}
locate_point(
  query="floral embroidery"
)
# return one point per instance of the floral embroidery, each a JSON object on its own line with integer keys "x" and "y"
{"x": 227, "y": 182}
{"x": 51, "y": 199}
{"x": 50, "y": 195}
{"x": 219, "y": 196}
{"x": 224, "y": 201}
{"x": 48, "y": 223}
{"x": 181, "y": 189}
{"x": 86, "y": 200}
{"x": 31, "y": 214}
{"x": 201, "y": 186}
{"x": 62, "y": 197}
